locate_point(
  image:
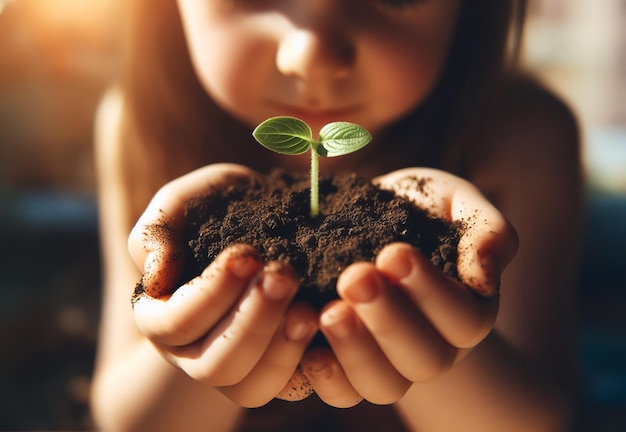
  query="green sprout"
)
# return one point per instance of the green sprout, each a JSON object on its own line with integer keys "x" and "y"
{"x": 292, "y": 136}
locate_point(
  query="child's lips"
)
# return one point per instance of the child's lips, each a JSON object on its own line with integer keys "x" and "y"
{"x": 320, "y": 116}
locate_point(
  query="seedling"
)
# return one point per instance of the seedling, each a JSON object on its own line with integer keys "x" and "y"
{"x": 292, "y": 136}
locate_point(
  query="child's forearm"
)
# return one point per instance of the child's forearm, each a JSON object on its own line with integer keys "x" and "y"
{"x": 493, "y": 389}
{"x": 143, "y": 392}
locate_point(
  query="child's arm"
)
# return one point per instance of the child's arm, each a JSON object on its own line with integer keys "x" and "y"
{"x": 135, "y": 387}
{"x": 519, "y": 377}
{"x": 522, "y": 376}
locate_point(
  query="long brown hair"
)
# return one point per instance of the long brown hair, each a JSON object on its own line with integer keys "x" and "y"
{"x": 170, "y": 118}
{"x": 483, "y": 55}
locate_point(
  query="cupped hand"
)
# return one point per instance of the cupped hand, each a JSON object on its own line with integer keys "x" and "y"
{"x": 401, "y": 321}
{"x": 234, "y": 327}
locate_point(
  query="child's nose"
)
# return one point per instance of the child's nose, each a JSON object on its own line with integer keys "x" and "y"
{"x": 315, "y": 54}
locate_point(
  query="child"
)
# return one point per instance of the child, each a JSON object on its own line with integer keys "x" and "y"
{"x": 433, "y": 81}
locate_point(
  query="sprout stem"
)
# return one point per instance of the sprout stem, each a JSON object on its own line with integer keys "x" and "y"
{"x": 315, "y": 204}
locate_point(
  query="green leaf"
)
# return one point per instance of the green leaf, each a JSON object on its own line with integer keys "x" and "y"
{"x": 341, "y": 138}
{"x": 285, "y": 135}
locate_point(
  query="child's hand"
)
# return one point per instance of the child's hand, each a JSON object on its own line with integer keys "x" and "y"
{"x": 233, "y": 327}
{"x": 402, "y": 321}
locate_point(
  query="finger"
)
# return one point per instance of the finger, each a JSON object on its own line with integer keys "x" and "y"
{"x": 197, "y": 306}
{"x": 365, "y": 365}
{"x": 328, "y": 378}
{"x": 154, "y": 242}
{"x": 298, "y": 388}
{"x": 487, "y": 244}
{"x": 280, "y": 361}
{"x": 488, "y": 241}
{"x": 409, "y": 341}
{"x": 163, "y": 265}
{"x": 460, "y": 317}
{"x": 230, "y": 351}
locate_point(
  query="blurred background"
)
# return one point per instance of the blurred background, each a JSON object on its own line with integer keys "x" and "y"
{"x": 56, "y": 58}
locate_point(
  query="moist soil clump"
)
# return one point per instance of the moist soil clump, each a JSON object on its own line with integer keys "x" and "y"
{"x": 356, "y": 220}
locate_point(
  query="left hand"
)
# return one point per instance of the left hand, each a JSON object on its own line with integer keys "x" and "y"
{"x": 401, "y": 321}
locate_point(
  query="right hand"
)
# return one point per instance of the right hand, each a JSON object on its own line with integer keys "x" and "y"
{"x": 234, "y": 327}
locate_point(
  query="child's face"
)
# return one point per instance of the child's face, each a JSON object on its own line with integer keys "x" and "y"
{"x": 365, "y": 61}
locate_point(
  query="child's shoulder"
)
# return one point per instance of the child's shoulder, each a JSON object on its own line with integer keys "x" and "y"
{"x": 527, "y": 107}
{"x": 107, "y": 125}
{"x": 530, "y": 130}
{"x": 529, "y": 119}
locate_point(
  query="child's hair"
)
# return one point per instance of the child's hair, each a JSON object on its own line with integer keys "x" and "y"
{"x": 167, "y": 109}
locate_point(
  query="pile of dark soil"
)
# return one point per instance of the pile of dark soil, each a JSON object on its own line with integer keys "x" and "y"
{"x": 356, "y": 221}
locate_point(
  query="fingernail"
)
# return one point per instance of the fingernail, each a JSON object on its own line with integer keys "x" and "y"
{"x": 277, "y": 282}
{"x": 491, "y": 270}
{"x": 363, "y": 290}
{"x": 488, "y": 262}
{"x": 296, "y": 330}
{"x": 243, "y": 263}
{"x": 338, "y": 322}
{"x": 402, "y": 265}
{"x": 316, "y": 365}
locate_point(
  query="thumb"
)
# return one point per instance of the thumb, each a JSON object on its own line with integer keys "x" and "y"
{"x": 160, "y": 256}
{"x": 488, "y": 243}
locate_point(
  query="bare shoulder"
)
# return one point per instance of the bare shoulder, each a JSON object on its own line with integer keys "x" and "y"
{"x": 107, "y": 129}
{"x": 529, "y": 109}
{"x": 115, "y": 157}
{"x": 120, "y": 157}
{"x": 530, "y": 118}
{"x": 533, "y": 131}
